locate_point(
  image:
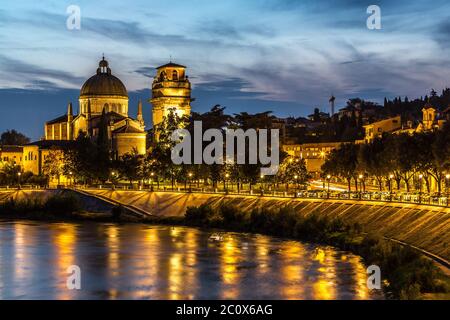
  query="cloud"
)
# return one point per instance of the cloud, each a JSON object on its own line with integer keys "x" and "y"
{"x": 441, "y": 33}
{"x": 32, "y": 76}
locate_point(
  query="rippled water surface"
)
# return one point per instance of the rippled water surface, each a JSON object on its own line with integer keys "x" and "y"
{"x": 133, "y": 261}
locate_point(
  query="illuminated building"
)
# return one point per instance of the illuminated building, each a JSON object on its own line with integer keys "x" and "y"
{"x": 171, "y": 92}
{"x": 103, "y": 99}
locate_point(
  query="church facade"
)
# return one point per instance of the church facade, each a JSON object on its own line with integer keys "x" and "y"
{"x": 104, "y": 97}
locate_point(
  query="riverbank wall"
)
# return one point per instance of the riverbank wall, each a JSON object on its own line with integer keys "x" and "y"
{"x": 422, "y": 226}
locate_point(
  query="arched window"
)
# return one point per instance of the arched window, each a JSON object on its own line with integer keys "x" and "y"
{"x": 162, "y": 76}
{"x": 106, "y": 107}
{"x": 175, "y": 75}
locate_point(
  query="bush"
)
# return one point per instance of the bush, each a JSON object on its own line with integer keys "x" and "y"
{"x": 57, "y": 204}
{"x": 117, "y": 212}
{"x": 62, "y": 204}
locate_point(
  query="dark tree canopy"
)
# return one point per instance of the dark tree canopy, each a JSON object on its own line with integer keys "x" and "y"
{"x": 12, "y": 137}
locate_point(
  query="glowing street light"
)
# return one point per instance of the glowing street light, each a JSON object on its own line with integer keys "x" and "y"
{"x": 361, "y": 184}
{"x": 225, "y": 182}
{"x": 190, "y": 181}
{"x": 151, "y": 181}
{"x": 18, "y": 177}
{"x": 296, "y": 184}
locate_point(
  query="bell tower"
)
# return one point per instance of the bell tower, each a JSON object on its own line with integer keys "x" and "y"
{"x": 171, "y": 90}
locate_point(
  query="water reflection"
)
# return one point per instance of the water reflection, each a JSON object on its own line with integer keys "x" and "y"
{"x": 158, "y": 262}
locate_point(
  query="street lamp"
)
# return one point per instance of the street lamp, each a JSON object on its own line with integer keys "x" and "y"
{"x": 18, "y": 177}
{"x": 190, "y": 181}
{"x": 262, "y": 184}
{"x": 447, "y": 178}
{"x": 328, "y": 186}
{"x": 420, "y": 187}
{"x": 225, "y": 182}
{"x": 151, "y": 181}
{"x": 360, "y": 178}
{"x": 391, "y": 176}
{"x": 296, "y": 184}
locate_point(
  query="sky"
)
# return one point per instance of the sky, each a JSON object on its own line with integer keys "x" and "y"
{"x": 286, "y": 56}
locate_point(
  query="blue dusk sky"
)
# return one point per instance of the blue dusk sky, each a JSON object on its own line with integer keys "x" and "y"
{"x": 286, "y": 56}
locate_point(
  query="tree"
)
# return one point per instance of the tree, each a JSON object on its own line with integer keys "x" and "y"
{"x": 130, "y": 166}
{"x": 160, "y": 157}
{"x": 103, "y": 154}
{"x": 372, "y": 161}
{"x": 401, "y": 154}
{"x": 293, "y": 170}
{"x": 342, "y": 162}
{"x": 9, "y": 173}
{"x": 53, "y": 166}
{"x": 12, "y": 137}
{"x": 81, "y": 159}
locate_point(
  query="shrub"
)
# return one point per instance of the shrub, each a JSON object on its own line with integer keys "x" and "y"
{"x": 62, "y": 204}
{"x": 117, "y": 211}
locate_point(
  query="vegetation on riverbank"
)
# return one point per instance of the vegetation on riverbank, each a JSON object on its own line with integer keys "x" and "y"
{"x": 56, "y": 204}
{"x": 59, "y": 207}
{"x": 406, "y": 273}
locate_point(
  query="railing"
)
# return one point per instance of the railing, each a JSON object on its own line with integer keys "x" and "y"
{"x": 413, "y": 198}
{"x": 419, "y": 198}
{"x": 24, "y": 186}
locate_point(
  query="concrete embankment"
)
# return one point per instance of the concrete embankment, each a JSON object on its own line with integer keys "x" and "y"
{"x": 425, "y": 227}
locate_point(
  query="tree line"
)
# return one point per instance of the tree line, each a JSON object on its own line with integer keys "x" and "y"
{"x": 395, "y": 161}
{"x": 90, "y": 160}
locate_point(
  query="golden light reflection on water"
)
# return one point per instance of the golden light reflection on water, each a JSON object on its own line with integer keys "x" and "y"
{"x": 113, "y": 243}
{"x": 360, "y": 277}
{"x": 147, "y": 278}
{"x": 292, "y": 271}
{"x": 324, "y": 287}
{"x": 262, "y": 256}
{"x": 175, "y": 279}
{"x": 20, "y": 271}
{"x": 182, "y": 271}
{"x": 180, "y": 263}
{"x": 229, "y": 257}
{"x": 64, "y": 239}
{"x": 19, "y": 246}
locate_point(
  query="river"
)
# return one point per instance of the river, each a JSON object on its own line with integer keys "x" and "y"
{"x": 134, "y": 261}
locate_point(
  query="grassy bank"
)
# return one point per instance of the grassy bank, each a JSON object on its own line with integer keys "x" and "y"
{"x": 406, "y": 273}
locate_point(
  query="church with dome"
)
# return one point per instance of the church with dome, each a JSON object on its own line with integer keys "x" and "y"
{"x": 104, "y": 99}
{"x": 102, "y": 95}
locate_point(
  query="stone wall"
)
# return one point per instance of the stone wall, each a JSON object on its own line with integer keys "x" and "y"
{"x": 426, "y": 227}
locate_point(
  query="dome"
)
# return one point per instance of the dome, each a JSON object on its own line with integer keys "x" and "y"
{"x": 103, "y": 83}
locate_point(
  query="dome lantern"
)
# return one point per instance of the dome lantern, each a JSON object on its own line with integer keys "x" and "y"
{"x": 103, "y": 66}
{"x": 103, "y": 83}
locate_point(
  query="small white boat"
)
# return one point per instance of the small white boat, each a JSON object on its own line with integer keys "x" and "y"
{"x": 216, "y": 237}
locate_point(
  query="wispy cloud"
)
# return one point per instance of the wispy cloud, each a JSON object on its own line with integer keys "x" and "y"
{"x": 288, "y": 55}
